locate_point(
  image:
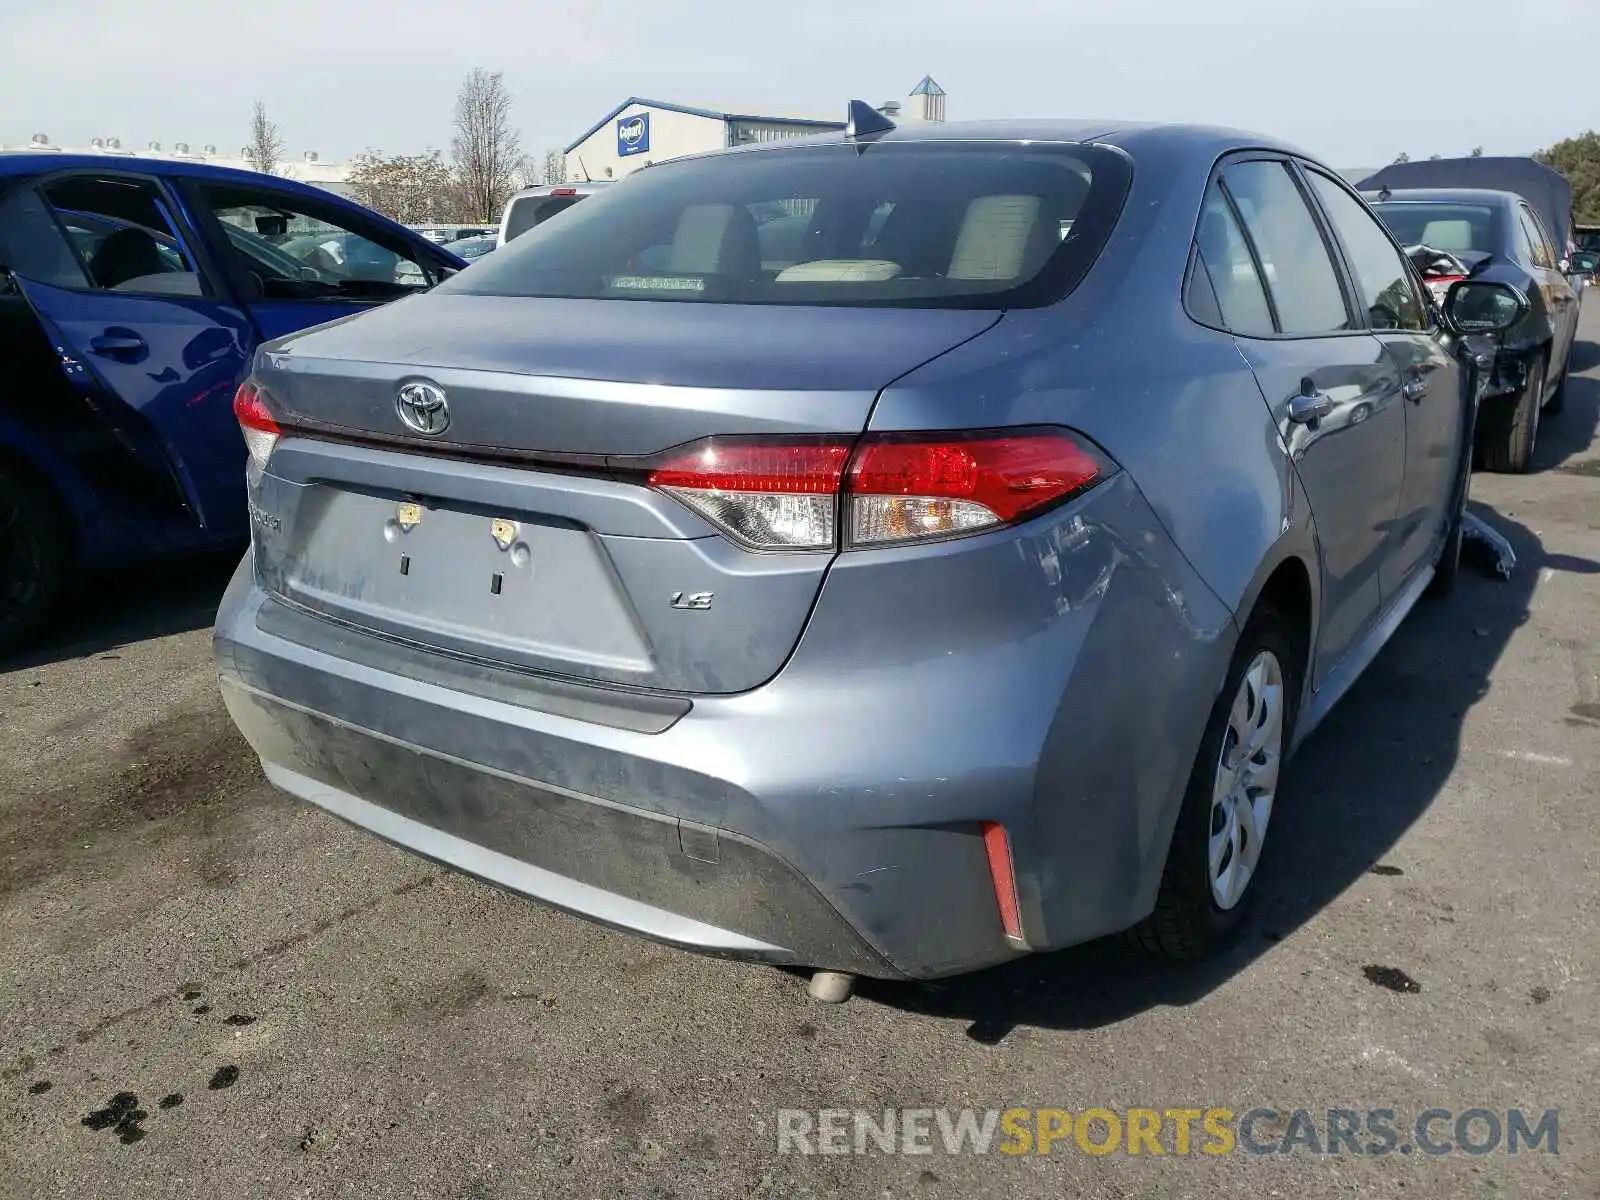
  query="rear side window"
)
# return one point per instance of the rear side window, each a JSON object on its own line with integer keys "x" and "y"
{"x": 1383, "y": 276}
{"x": 33, "y": 245}
{"x": 1522, "y": 238}
{"x": 535, "y": 210}
{"x": 123, "y": 232}
{"x": 1300, "y": 274}
{"x": 881, "y": 224}
{"x": 1224, "y": 258}
{"x": 1539, "y": 244}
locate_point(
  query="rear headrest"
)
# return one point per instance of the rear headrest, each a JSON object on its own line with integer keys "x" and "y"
{"x": 995, "y": 237}
{"x": 1448, "y": 235}
{"x": 715, "y": 239}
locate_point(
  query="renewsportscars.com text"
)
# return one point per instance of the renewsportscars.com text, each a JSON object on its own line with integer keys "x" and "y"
{"x": 1374, "y": 1132}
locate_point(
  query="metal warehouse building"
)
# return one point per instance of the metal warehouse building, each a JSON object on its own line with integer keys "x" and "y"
{"x": 638, "y": 131}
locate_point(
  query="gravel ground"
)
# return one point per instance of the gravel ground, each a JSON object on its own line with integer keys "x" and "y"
{"x": 209, "y": 989}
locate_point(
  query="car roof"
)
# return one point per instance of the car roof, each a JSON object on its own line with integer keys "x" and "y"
{"x": 546, "y": 189}
{"x": 1445, "y": 196}
{"x": 1133, "y": 136}
{"x": 20, "y": 163}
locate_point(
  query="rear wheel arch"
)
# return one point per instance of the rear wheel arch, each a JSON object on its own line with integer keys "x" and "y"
{"x": 1288, "y": 592}
{"x": 19, "y": 466}
{"x": 42, "y": 559}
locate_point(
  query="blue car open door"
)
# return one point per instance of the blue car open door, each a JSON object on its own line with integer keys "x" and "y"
{"x": 141, "y": 332}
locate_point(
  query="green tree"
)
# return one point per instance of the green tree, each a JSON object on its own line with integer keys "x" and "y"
{"x": 1578, "y": 158}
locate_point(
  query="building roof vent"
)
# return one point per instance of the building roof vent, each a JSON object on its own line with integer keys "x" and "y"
{"x": 180, "y": 147}
{"x": 311, "y": 156}
{"x": 39, "y": 139}
{"x": 209, "y": 148}
{"x": 99, "y": 143}
{"x": 113, "y": 143}
{"x": 155, "y": 145}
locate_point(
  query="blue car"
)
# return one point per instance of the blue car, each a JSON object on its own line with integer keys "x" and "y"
{"x": 133, "y": 294}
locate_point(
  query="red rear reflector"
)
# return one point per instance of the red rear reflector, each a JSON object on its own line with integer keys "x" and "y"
{"x": 997, "y": 846}
{"x": 563, "y": 191}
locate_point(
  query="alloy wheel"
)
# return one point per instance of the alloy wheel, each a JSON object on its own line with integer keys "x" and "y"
{"x": 1246, "y": 780}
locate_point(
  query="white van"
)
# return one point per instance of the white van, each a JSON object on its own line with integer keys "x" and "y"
{"x": 536, "y": 205}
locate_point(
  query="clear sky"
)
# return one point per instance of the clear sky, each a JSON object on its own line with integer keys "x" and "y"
{"x": 1353, "y": 81}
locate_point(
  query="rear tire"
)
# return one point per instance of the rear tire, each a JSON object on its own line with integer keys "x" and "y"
{"x": 1508, "y": 433}
{"x": 33, "y": 556}
{"x": 1559, "y": 400}
{"x": 1189, "y": 922}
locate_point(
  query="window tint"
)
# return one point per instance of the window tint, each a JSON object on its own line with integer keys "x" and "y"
{"x": 34, "y": 246}
{"x": 882, "y": 224}
{"x": 1224, "y": 257}
{"x": 1383, "y": 276}
{"x": 295, "y": 252}
{"x": 1304, "y": 285}
{"x": 1543, "y": 255}
{"x": 124, "y": 236}
{"x": 1522, "y": 238}
{"x": 535, "y": 210}
{"x": 1453, "y": 228}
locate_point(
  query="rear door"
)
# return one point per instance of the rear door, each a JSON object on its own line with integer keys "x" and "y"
{"x": 1333, "y": 391}
{"x": 298, "y": 262}
{"x": 143, "y": 332}
{"x": 1560, "y": 301}
{"x": 1431, "y": 380}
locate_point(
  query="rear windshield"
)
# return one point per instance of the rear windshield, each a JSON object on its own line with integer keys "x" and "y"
{"x": 535, "y": 210}
{"x": 1454, "y": 228}
{"x": 889, "y": 224}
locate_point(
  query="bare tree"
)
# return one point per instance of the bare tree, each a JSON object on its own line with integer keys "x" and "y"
{"x": 486, "y": 148}
{"x": 412, "y": 188}
{"x": 266, "y": 147}
{"x": 555, "y": 167}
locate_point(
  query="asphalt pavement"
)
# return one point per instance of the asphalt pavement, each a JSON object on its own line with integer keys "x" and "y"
{"x": 207, "y": 989}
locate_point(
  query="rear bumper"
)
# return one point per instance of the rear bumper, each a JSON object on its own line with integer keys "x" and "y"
{"x": 1055, "y": 682}
{"x": 674, "y": 881}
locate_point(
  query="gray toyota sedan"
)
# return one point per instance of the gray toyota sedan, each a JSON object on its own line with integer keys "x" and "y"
{"x": 887, "y": 553}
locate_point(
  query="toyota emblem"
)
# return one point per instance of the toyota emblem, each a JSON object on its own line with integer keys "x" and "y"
{"x": 423, "y": 408}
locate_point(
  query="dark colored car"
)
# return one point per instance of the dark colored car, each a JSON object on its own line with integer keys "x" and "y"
{"x": 949, "y": 586}
{"x": 472, "y": 248}
{"x": 132, "y": 296}
{"x": 1498, "y": 236}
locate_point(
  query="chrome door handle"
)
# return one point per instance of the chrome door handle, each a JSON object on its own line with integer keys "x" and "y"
{"x": 1308, "y": 407}
{"x": 1414, "y": 387}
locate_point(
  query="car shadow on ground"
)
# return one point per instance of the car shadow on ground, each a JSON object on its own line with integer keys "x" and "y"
{"x": 1340, "y": 813}
{"x": 1567, "y": 441}
{"x": 101, "y": 612}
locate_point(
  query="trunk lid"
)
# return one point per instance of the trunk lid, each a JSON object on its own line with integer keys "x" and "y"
{"x": 556, "y": 563}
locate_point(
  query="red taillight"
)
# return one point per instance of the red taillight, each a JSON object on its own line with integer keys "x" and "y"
{"x": 997, "y": 848}
{"x": 255, "y": 422}
{"x": 784, "y": 494}
{"x": 769, "y": 495}
{"x": 912, "y": 488}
